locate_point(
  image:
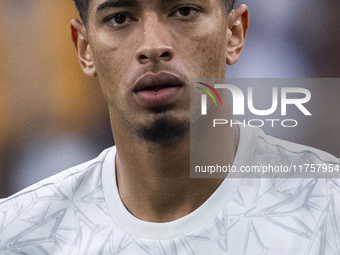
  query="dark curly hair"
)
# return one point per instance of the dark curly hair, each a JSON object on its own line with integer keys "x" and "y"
{"x": 83, "y": 6}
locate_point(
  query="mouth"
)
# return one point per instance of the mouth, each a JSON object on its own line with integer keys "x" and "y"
{"x": 157, "y": 89}
{"x": 157, "y": 81}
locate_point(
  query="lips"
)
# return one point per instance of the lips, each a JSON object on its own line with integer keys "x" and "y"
{"x": 157, "y": 89}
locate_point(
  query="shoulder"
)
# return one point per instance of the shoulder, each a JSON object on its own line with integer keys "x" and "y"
{"x": 264, "y": 155}
{"x": 296, "y": 205}
{"x": 280, "y": 151}
{"x": 51, "y": 198}
{"x": 60, "y": 178}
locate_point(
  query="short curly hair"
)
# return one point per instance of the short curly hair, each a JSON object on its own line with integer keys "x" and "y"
{"x": 83, "y": 6}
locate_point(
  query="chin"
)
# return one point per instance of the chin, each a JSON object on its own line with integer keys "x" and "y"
{"x": 164, "y": 129}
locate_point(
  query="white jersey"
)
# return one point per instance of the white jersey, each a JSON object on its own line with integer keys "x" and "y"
{"x": 79, "y": 211}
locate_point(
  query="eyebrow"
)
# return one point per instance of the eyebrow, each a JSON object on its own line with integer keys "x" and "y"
{"x": 129, "y": 3}
{"x": 116, "y": 4}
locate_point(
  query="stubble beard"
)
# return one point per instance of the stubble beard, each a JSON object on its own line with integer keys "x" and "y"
{"x": 164, "y": 130}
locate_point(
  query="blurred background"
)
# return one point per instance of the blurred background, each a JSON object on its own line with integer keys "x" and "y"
{"x": 53, "y": 117}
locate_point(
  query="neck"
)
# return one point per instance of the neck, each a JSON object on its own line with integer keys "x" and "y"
{"x": 154, "y": 181}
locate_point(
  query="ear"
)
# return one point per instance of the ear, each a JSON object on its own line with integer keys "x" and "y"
{"x": 238, "y": 23}
{"x": 80, "y": 41}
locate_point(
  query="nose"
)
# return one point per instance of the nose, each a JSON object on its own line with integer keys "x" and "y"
{"x": 155, "y": 42}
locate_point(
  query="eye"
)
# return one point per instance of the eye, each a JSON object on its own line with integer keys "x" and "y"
{"x": 119, "y": 19}
{"x": 186, "y": 12}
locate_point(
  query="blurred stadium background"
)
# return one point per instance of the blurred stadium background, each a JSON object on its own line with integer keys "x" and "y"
{"x": 53, "y": 117}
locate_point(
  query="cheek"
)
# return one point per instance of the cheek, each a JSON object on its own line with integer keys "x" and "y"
{"x": 212, "y": 55}
{"x": 204, "y": 51}
{"x": 112, "y": 63}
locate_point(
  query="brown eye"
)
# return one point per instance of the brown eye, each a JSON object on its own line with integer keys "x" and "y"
{"x": 120, "y": 18}
{"x": 184, "y": 11}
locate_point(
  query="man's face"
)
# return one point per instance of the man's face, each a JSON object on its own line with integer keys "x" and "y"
{"x": 145, "y": 52}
